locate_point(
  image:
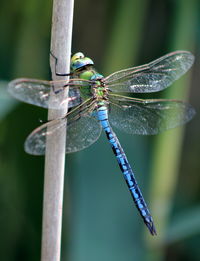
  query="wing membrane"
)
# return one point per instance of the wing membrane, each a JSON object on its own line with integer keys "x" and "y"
{"x": 148, "y": 117}
{"x": 47, "y": 94}
{"x": 152, "y": 77}
{"x": 82, "y": 131}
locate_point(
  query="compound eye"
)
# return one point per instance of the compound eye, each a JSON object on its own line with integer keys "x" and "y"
{"x": 79, "y": 55}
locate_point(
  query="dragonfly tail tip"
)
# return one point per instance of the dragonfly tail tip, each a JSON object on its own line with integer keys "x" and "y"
{"x": 152, "y": 228}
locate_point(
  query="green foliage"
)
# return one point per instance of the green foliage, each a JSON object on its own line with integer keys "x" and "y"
{"x": 103, "y": 221}
{"x": 184, "y": 225}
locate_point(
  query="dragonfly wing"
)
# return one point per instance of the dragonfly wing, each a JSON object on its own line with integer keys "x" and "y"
{"x": 42, "y": 93}
{"x": 149, "y": 117}
{"x": 152, "y": 77}
{"x": 81, "y": 133}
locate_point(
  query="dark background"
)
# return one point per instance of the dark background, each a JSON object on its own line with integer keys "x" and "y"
{"x": 100, "y": 221}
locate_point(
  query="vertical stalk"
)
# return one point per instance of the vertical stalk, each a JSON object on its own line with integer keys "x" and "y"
{"x": 61, "y": 35}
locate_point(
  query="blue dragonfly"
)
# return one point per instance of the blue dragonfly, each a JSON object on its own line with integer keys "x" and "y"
{"x": 96, "y": 102}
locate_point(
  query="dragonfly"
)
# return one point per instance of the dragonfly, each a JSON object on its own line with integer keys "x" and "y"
{"x": 96, "y": 102}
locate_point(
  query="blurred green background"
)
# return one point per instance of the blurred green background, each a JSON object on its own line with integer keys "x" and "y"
{"x": 100, "y": 220}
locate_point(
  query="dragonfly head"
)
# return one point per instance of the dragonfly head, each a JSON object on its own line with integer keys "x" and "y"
{"x": 79, "y": 60}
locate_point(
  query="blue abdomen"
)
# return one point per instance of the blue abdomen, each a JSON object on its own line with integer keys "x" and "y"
{"x": 102, "y": 115}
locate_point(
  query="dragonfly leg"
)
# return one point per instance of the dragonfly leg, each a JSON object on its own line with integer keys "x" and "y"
{"x": 126, "y": 170}
{"x": 56, "y": 91}
{"x": 56, "y": 62}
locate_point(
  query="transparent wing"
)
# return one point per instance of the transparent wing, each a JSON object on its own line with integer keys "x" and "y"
{"x": 152, "y": 77}
{"x": 81, "y": 133}
{"x": 37, "y": 92}
{"x": 148, "y": 117}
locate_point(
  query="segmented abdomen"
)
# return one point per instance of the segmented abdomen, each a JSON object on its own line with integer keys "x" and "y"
{"x": 126, "y": 169}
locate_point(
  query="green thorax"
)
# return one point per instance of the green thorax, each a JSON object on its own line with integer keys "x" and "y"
{"x": 82, "y": 67}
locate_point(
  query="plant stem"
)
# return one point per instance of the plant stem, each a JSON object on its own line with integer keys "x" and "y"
{"x": 61, "y": 35}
